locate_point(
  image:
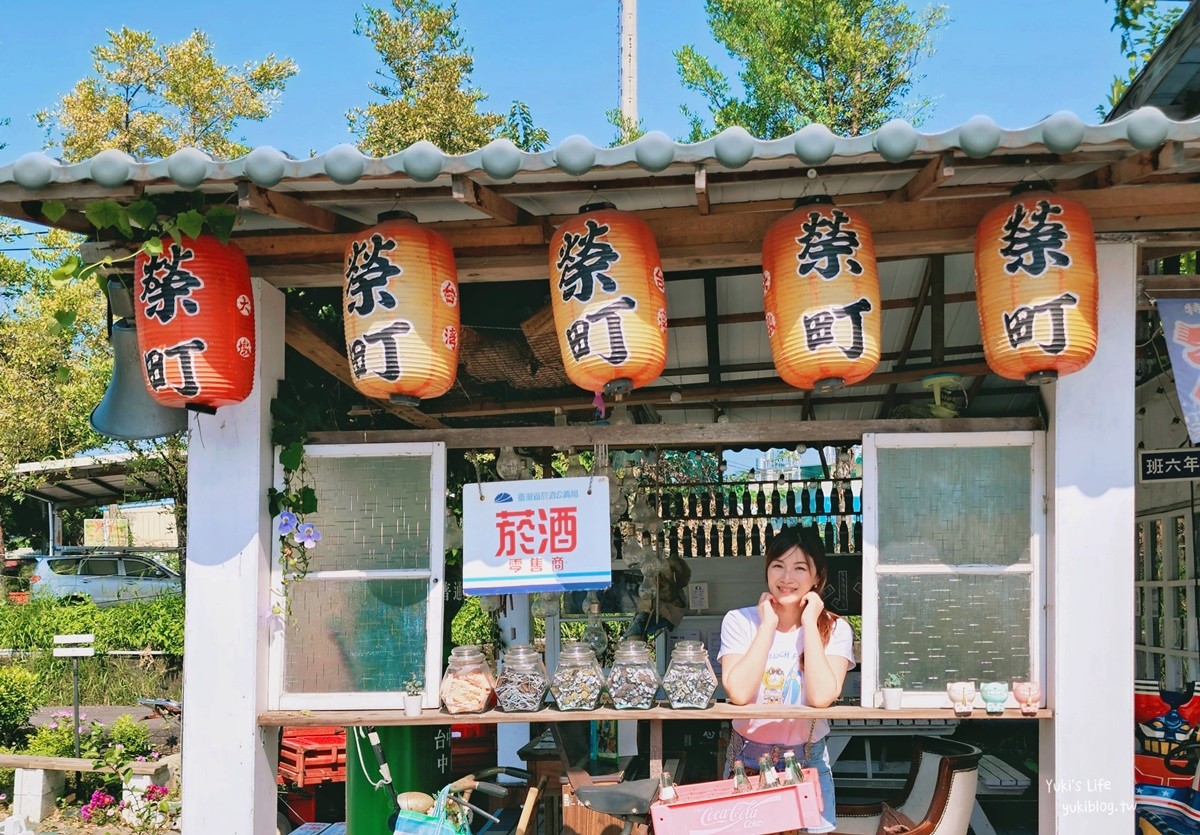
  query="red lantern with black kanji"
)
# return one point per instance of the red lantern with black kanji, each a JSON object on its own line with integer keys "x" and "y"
{"x": 401, "y": 310}
{"x": 1036, "y": 285}
{"x": 821, "y": 296}
{"x": 609, "y": 300}
{"x": 195, "y": 323}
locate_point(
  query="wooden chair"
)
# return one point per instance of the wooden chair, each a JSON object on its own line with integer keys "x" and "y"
{"x": 938, "y": 797}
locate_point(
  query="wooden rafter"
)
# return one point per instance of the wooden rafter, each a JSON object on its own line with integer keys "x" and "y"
{"x": 1135, "y": 168}
{"x": 276, "y": 204}
{"x": 712, "y": 333}
{"x": 937, "y": 171}
{"x": 307, "y": 339}
{"x": 701, "y": 184}
{"x": 31, "y": 212}
{"x": 485, "y": 199}
{"x": 769, "y": 365}
{"x": 681, "y": 435}
{"x": 913, "y": 321}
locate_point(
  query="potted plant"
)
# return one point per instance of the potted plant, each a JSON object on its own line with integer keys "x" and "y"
{"x": 893, "y": 690}
{"x": 414, "y": 695}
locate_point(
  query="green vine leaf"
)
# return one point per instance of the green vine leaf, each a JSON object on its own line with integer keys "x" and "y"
{"x": 153, "y": 246}
{"x": 220, "y": 220}
{"x": 53, "y": 210}
{"x": 190, "y": 223}
{"x": 143, "y": 213}
{"x": 307, "y": 500}
{"x": 103, "y": 213}
{"x": 65, "y": 318}
{"x": 273, "y": 505}
{"x": 292, "y": 456}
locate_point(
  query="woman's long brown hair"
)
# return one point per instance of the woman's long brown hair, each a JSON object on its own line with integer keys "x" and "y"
{"x": 809, "y": 542}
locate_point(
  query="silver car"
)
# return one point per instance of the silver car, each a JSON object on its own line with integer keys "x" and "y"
{"x": 105, "y": 578}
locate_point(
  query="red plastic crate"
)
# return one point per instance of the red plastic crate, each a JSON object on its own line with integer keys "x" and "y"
{"x": 712, "y": 808}
{"x": 314, "y": 758}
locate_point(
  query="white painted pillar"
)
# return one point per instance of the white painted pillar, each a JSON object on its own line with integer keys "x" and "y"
{"x": 1086, "y": 752}
{"x": 517, "y": 627}
{"x": 229, "y": 763}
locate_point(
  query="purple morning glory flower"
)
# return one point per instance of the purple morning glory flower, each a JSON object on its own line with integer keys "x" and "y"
{"x": 287, "y": 522}
{"x": 308, "y": 535}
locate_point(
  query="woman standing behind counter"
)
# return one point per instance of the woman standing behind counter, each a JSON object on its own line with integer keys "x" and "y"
{"x": 787, "y": 650}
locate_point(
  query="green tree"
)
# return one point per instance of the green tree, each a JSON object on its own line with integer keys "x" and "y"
{"x": 426, "y": 87}
{"x": 149, "y": 99}
{"x": 1143, "y": 25}
{"x": 847, "y": 64}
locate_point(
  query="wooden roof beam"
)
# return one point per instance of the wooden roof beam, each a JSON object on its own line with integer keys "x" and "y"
{"x": 913, "y": 321}
{"x": 701, "y": 184}
{"x": 276, "y": 204}
{"x": 31, "y": 212}
{"x": 937, "y": 171}
{"x": 311, "y": 342}
{"x": 1133, "y": 169}
{"x": 493, "y": 204}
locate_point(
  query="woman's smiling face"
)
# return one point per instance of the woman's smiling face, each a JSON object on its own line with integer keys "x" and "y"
{"x": 791, "y": 576}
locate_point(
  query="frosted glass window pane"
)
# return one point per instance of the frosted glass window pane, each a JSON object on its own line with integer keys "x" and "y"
{"x": 373, "y": 513}
{"x": 940, "y": 628}
{"x": 363, "y": 636}
{"x": 954, "y": 505}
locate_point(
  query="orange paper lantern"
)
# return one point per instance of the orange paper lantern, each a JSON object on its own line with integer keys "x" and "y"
{"x": 1035, "y": 270}
{"x": 609, "y": 300}
{"x": 195, "y": 323}
{"x": 401, "y": 306}
{"x": 821, "y": 296}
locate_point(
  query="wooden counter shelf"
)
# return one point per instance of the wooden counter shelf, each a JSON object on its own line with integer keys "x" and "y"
{"x": 722, "y": 710}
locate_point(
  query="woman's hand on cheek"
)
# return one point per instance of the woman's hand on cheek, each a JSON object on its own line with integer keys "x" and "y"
{"x": 811, "y": 607}
{"x": 767, "y": 610}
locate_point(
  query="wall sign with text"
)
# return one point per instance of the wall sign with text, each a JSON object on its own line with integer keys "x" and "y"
{"x": 538, "y": 535}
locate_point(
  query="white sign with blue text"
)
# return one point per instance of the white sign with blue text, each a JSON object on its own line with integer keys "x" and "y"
{"x": 538, "y": 535}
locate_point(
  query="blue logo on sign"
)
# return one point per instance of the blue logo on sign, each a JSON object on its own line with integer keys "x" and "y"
{"x": 502, "y": 497}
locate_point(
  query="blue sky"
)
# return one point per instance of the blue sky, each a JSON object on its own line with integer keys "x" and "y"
{"x": 1014, "y": 60}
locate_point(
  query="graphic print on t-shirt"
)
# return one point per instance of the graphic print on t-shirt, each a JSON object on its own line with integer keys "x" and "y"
{"x": 781, "y": 678}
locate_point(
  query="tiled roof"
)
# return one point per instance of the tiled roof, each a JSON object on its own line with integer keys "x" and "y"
{"x": 501, "y": 160}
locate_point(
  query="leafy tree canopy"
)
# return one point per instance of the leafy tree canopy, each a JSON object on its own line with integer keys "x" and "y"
{"x": 426, "y": 91}
{"x": 1143, "y": 25}
{"x": 847, "y": 64}
{"x": 150, "y": 99}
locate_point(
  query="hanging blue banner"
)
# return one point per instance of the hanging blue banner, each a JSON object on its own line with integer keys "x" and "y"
{"x": 1181, "y": 328}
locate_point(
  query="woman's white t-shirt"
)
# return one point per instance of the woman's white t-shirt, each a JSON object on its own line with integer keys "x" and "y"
{"x": 782, "y": 681}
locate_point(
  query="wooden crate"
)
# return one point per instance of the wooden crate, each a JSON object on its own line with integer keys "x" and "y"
{"x": 313, "y": 758}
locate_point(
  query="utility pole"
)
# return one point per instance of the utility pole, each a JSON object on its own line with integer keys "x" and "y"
{"x": 627, "y": 35}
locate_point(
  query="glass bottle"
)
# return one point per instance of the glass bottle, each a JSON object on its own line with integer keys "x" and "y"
{"x": 741, "y": 540}
{"x": 769, "y": 533}
{"x": 792, "y": 776}
{"x": 687, "y": 541}
{"x": 768, "y": 777}
{"x": 805, "y": 504}
{"x": 818, "y": 506}
{"x": 673, "y": 536}
{"x": 666, "y": 789}
{"x": 577, "y": 681}
{"x": 727, "y": 540}
{"x": 777, "y": 500}
{"x": 791, "y": 500}
{"x": 523, "y": 682}
{"x": 633, "y": 680}
{"x": 701, "y": 543}
{"x": 690, "y": 681}
{"x": 829, "y": 543}
{"x": 741, "y": 783}
{"x": 468, "y": 684}
{"x": 733, "y": 502}
{"x": 858, "y": 536}
{"x": 718, "y": 502}
{"x": 761, "y": 503}
{"x": 692, "y": 508}
{"x": 593, "y": 634}
{"x": 755, "y": 542}
{"x": 679, "y": 514}
{"x": 747, "y": 506}
{"x": 844, "y": 536}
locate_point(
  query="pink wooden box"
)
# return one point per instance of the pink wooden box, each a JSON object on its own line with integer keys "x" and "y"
{"x": 712, "y": 808}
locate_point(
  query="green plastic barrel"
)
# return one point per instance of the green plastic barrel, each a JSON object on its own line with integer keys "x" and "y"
{"x": 419, "y": 759}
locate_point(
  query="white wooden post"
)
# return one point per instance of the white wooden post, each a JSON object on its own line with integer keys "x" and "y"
{"x": 228, "y": 759}
{"x": 1086, "y": 752}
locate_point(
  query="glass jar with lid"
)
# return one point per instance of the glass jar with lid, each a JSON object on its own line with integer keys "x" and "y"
{"x": 633, "y": 680}
{"x": 523, "y": 681}
{"x": 468, "y": 684}
{"x": 578, "y": 680}
{"x": 690, "y": 681}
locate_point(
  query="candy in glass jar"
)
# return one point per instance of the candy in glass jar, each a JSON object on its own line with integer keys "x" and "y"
{"x": 690, "y": 681}
{"x": 467, "y": 685}
{"x": 577, "y": 681}
{"x": 523, "y": 682}
{"x": 633, "y": 681}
